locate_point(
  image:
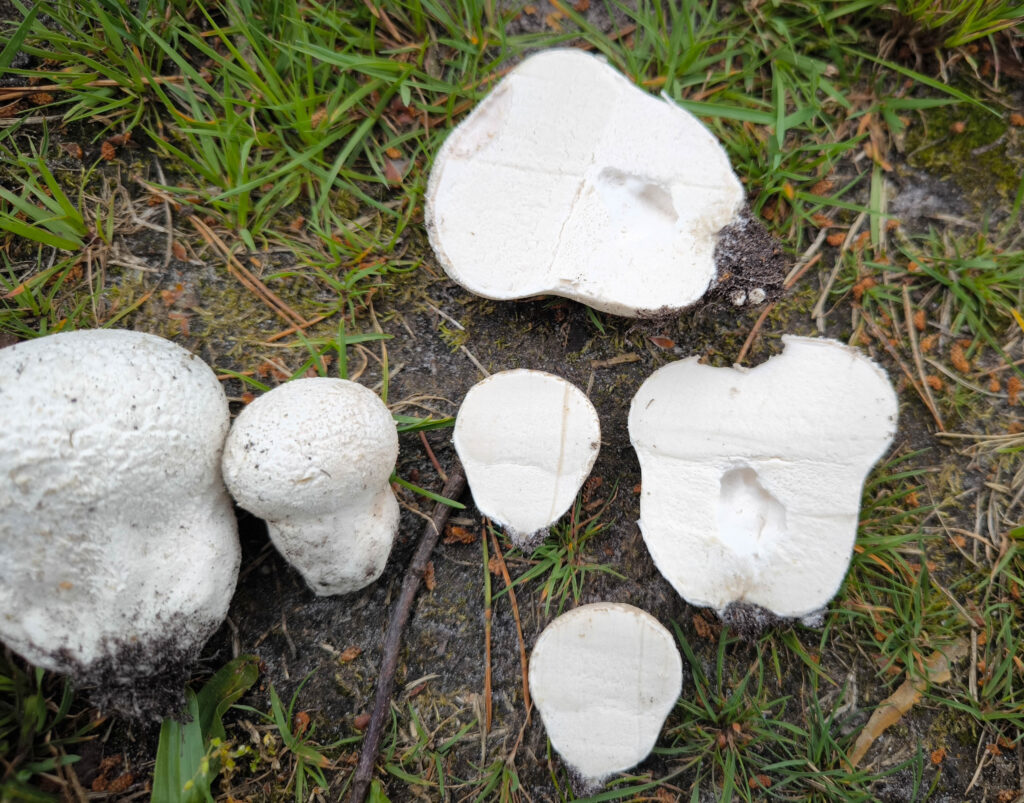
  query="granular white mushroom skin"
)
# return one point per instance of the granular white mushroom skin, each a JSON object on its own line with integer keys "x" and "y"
{"x": 118, "y": 543}
{"x": 313, "y": 457}
{"x": 752, "y": 479}
{"x": 604, "y": 678}
{"x": 527, "y": 441}
{"x": 568, "y": 179}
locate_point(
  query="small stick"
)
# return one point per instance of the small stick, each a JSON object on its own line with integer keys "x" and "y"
{"x": 246, "y": 277}
{"x": 915, "y": 350}
{"x": 433, "y": 457}
{"x": 488, "y": 700}
{"x": 392, "y": 641}
{"x": 11, "y": 92}
{"x": 519, "y": 625}
{"x": 793, "y": 278}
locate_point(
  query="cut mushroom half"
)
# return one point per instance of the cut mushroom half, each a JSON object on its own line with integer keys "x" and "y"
{"x": 752, "y": 479}
{"x": 527, "y": 441}
{"x": 604, "y": 678}
{"x": 568, "y": 179}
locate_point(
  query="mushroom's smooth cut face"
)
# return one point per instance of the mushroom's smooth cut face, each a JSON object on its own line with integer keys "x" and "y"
{"x": 568, "y": 179}
{"x": 527, "y": 440}
{"x": 604, "y": 677}
{"x": 752, "y": 479}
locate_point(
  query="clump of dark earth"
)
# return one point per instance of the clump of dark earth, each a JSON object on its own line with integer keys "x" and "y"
{"x": 747, "y": 258}
{"x": 110, "y": 685}
{"x": 749, "y": 621}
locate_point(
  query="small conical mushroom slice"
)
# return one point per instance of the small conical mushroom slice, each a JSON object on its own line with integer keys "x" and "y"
{"x": 313, "y": 457}
{"x": 604, "y": 678}
{"x": 752, "y": 479}
{"x": 568, "y": 179}
{"x": 527, "y": 440}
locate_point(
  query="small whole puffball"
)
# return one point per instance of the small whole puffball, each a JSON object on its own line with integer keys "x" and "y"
{"x": 604, "y": 678}
{"x": 527, "y": 441}
{"x": 752, "y": 478}
{"x": 569, "y": 179}
{"x": 118, "y": 544}
{"x": 313, "y": 458}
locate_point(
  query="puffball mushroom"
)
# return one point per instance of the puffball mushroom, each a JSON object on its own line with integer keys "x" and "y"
{"x": 527, "y": 441}
{"x": 313, "y": 458}
{"x": 752, "y": 479}
{"x": 604, "y": 678}
{"x": 568, "y": 179}
{"x": 118, "y": 543}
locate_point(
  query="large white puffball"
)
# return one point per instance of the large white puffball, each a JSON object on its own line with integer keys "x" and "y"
{"x": 118, "y": 544}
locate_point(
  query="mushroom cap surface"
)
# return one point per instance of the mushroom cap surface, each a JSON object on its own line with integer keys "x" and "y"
{"x": 118, "y": 543}
{"x": 527, "y": 441}
{"x": 313, "y": 457}
{"x": 604, "y": 678}
{"x": 553, "y": 185}
{"x": 752, "y": 479}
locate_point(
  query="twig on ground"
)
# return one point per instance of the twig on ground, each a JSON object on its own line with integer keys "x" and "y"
{"x": 818, "y": 313}
{"x": 519, "y": 625}
{"x": 168, "y": 216}
{"x": 908, "y": 315}
{"x": 433, "y": 457}
{"x": 246, "y": 277}
{"x": 488, "y": 698}
{"x": 880, "y": 336}
{"x": 793, "y": 277}
{"x": 392, "y": 641}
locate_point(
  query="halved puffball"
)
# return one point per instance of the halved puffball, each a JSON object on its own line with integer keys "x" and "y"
{"x": 752, "y": 479}
{"x": 604, "y": 678}
{"x": 527, "y": 441}
{"x": 568, "y": 179}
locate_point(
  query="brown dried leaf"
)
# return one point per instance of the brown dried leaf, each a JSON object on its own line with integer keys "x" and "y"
{"x": 349, "y": 654}
{"x": 959, "y": 359}
{"x": 663, "y": 342}
{"x": 72, "y": 149}
{"x": 891, "y": 709}
{"x": 1013, "y": 388}
{"x": 121, "y": 783}
{"x": 453, "y": 534}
